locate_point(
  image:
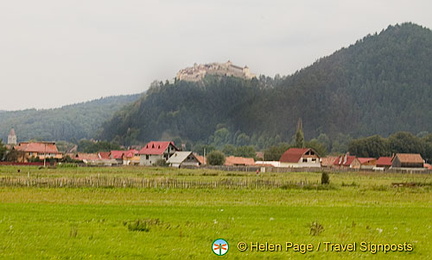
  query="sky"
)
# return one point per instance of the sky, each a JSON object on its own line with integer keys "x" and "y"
{"x": 55, "y": 53}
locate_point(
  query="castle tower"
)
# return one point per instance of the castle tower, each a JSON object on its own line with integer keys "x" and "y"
{"x": 12, "y": 138}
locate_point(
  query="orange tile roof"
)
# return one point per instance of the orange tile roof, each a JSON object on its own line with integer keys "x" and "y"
{"x": 328, "y": 161}
{"x": 232, "y": 160}
{"x": 37, "y": 147}
{"x": 200, "y": 158}
{"x": 409, "y": 158}
{"x": 85, "y": 156}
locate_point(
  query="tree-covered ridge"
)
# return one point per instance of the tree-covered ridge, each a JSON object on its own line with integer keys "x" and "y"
{"x": 68, "y": 123}
{"x": 380, "y": 85}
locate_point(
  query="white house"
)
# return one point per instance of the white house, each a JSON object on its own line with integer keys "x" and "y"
{"x": 300, "y": 157}
{"x": 155, "y": 151}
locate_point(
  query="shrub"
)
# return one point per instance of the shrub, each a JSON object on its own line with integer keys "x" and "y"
{"x": 142, "y": 225}
{"x": 216, "y": 158}
{"x": 316, "y": 228}
{"x": 325, "y": 178}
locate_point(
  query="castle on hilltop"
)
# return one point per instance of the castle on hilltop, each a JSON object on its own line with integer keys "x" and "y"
{"x": 199, "y": 71}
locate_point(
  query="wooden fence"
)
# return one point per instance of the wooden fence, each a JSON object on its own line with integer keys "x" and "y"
{"x": 313, "y": 169}
{"x": 163, "y": 183}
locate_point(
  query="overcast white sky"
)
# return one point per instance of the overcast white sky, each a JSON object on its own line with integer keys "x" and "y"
{"x": 60, "y": 52}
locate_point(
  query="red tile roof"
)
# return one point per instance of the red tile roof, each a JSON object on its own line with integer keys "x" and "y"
{"x": 384, "y": 161}
{"x": 231, "y": 160}
{"x": 293, "y": 155}
{"x": 118, "y": 154}
{"x": 37, "y": 147}
{"x": 344, "y": 160}
{"x": 365, "y": 160}
{"x": 156, "y": 147}
{"x": 105, "y": 155}
{"x": 131, "y": 153}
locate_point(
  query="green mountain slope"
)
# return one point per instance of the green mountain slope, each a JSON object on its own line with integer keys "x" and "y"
{"x": 380, "y": 85}
{"x": 68, "y": 123}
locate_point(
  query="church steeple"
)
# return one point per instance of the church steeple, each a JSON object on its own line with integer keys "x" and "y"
{"x": 12, "y": 138}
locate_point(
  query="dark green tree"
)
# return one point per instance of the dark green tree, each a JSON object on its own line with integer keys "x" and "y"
{"x": 405, "y": 142}
{"x": 3, "y": 150}
{"x": 274, "y": 153}
{"x": 299, "y": 135}
{"x": 245, "y": 151}
{"x": 88, "y": 146}
{"x": 216, "y": 158}
{"x": 372, "y": 146}
{"x": 229, "y": 150}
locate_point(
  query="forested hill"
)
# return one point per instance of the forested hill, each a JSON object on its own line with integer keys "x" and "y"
{"x": 380, "y": 85}
{"x": 68, "y": 123}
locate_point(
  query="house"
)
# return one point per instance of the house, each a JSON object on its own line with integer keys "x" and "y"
{"x": 300, "y": 157}
{"x": 328, "y": 161}
{"x": 179, "y": 159}
{"x": 347, "y": 161}
{"x": 383, "y": 163}
{"x": 268, "y": 163}
{"x": 239, "y": 161}
{"x": 94, "y": 159}
{"x": 129, "y": 157}
{"x": 201, "y": 159}
{"x": 40, "y": 150}
{"x": 407, "y": 160}
{"x": 156, "y": 150}
{"x": 367, "y": 163}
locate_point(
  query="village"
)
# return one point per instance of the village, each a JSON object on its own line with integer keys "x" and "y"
{"x": 166, "y": 153}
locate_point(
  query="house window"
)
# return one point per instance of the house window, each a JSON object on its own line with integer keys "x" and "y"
{"x": 304, "y": 159}
{"x": 147, "y": 156}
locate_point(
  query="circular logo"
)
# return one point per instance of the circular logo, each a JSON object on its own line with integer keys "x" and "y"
{"x": 220, "y": 247}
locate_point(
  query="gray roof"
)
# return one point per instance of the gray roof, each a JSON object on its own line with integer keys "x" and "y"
{"x": 178, "y": 157}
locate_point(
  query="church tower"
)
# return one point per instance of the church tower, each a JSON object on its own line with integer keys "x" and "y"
{"x": 12, "y": 138}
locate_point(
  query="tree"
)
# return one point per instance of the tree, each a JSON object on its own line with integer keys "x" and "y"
{"x": 274, "y": 153}
{"x": 372, "y": 146}
{"x": 221, "y": 137}
{"x": 3, "y": 150}
{"x": 299, "y": 136}
{"x": 88, "y": 146}
{"x": 404, "y": 142}
{"x": 243, "y": 139}
{"x": 229, "y": 149}
{"x": 245, "y": 151}
{"x": 216, "y": 158}
{"x": 317, "y": 146}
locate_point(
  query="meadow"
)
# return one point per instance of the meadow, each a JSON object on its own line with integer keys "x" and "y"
{"x": 164, "y": 213}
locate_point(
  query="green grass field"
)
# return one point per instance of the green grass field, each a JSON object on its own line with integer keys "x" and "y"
{"x": 38, "y": 222}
